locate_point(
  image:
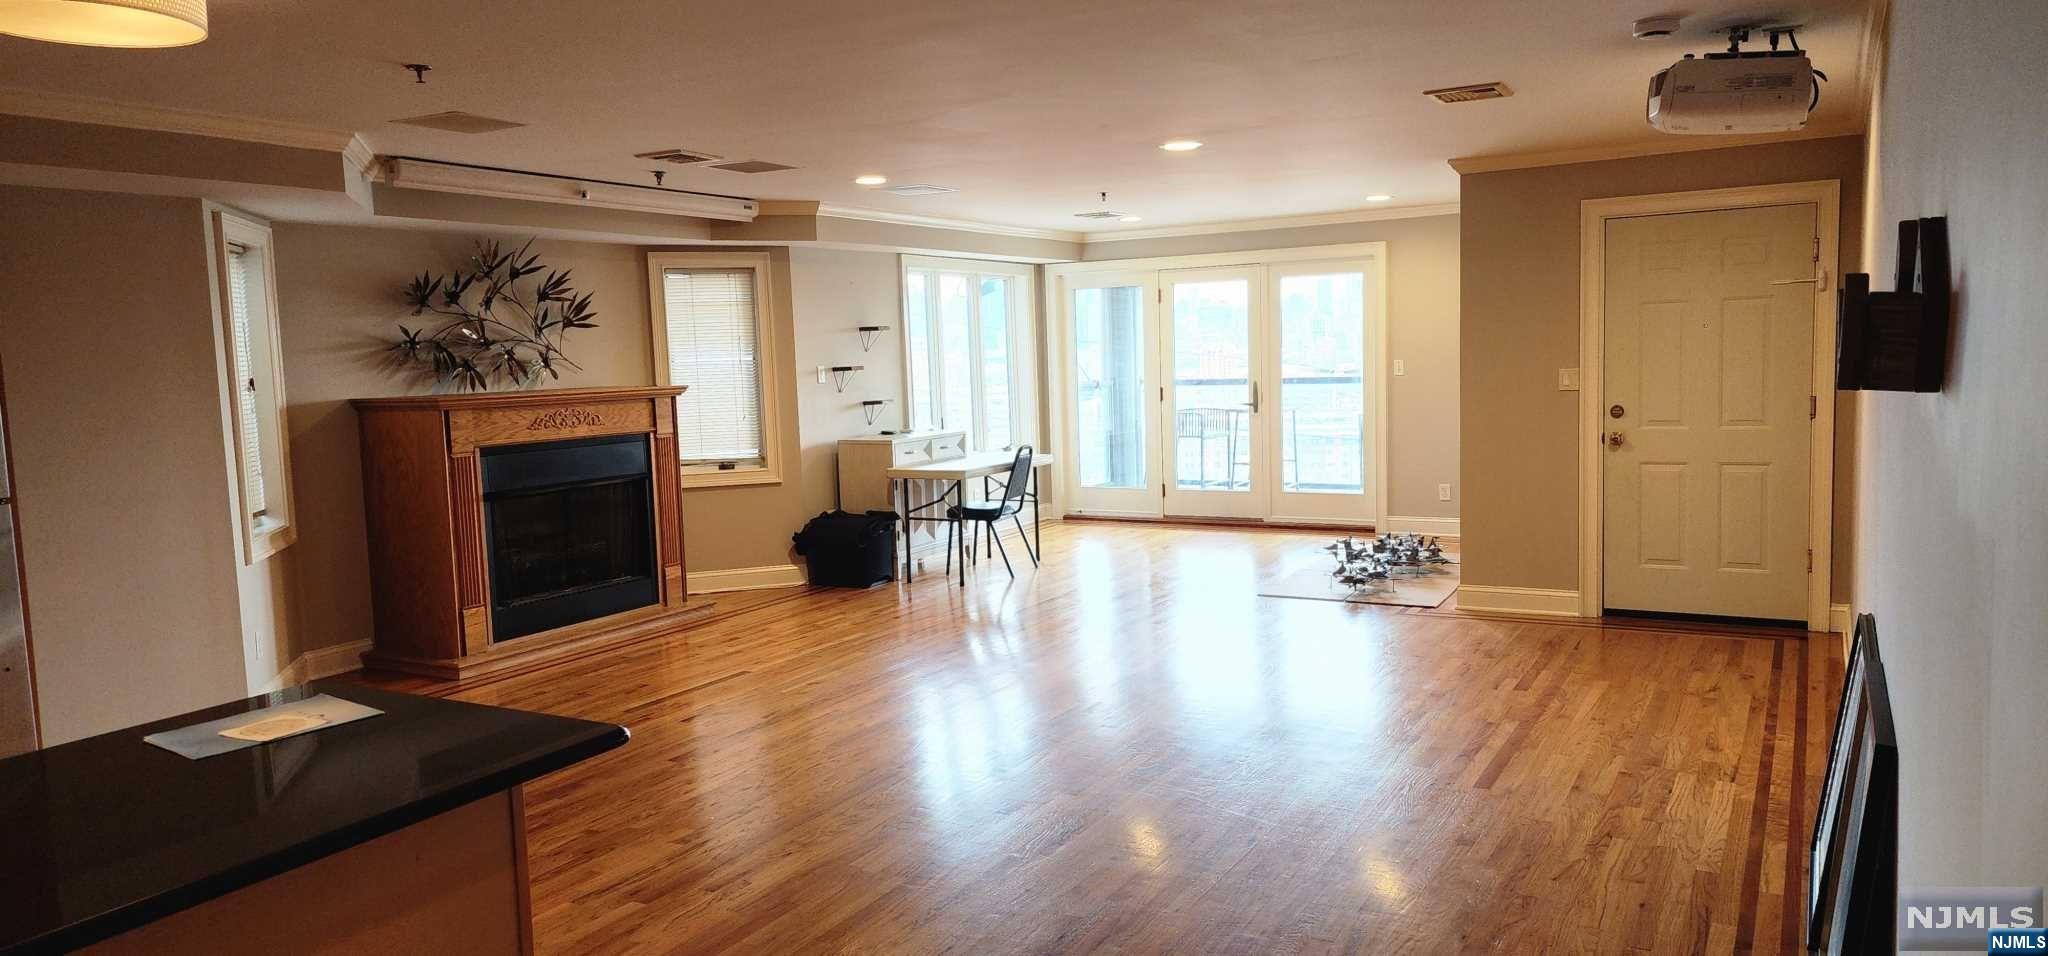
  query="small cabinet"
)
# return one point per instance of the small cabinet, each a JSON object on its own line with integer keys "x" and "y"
{"x": 864, "y": 463}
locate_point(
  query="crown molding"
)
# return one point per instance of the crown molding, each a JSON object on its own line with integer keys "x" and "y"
{"x": 1467, "y": 165}
{"x": 359, "y": 156}
{"x": 831, "y": 211}
{"x": 86, "y": 109}
{"x": 1374, "y": 214}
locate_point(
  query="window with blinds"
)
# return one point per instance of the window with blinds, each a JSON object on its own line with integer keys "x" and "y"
{"x": 252, "y": 383}
{"x": 250, "y": 433}
{"x": 713, "y": 335}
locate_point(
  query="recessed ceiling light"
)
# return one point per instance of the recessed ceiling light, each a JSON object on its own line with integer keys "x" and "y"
{"x": 1180, "y": 145}
{"x": 1378, "y": 197}
{"x": 1128, "y": 218}
{"x": 870, "y": 180}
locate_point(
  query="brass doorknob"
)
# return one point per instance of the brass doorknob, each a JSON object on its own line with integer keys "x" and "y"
{"x": 1614, "y": 439}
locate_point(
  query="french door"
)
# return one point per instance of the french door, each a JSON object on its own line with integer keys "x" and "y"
{"x": 1215, "y": 465}
{"x": 1242, "y": 391}
{"x": 1114, "y": 373}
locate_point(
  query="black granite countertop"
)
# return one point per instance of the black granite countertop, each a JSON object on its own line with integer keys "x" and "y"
{"x": 105, "y": 834}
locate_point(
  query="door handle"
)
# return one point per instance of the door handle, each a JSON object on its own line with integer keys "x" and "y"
{"x": 1820, "y": 282}
{"x": 1614, "y": 439}
{"x": 1254, "y": 403}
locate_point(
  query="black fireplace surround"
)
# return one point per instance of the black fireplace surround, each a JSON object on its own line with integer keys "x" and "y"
{"x": 569, "y": 532}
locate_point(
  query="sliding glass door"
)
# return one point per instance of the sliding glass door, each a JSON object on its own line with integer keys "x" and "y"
{"x": 1112, "y": 411}
{"x": 1240, "y": 391}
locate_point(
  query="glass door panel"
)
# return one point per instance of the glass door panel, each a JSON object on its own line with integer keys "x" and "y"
{"x": 1327, "y": 371}
{"x": 1211, "y": 397}
{"x": 1112, "y": 421}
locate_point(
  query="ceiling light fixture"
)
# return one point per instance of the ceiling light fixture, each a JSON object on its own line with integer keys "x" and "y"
{"x": 870, "y": 180}
{"x": 114, "y": 23}
{"x": 1181, "y": 145}
{"x": 1378, "y": 197}
{"x": 1128, "y": 218}
{"x": 405, "y": 173}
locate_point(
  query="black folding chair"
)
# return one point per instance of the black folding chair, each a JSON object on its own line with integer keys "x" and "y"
{"x": 989, "y": 512}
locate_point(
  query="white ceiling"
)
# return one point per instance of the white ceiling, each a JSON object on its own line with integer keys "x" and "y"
{"x": 1029, "y": 109}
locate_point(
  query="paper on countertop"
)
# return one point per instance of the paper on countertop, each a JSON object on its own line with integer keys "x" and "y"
{"x": 263, "y": 725}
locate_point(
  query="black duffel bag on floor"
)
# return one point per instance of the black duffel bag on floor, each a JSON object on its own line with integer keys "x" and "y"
{"x": 848, "y": 550}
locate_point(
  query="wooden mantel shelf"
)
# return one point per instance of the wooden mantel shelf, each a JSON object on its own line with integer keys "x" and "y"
{"x": 551, "y": 396}
{"x": 423, "y": 498}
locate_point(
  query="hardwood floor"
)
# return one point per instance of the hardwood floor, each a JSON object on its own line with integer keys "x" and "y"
{"x": 1128, "y": 751}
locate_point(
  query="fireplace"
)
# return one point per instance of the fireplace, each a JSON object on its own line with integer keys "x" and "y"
{"x": 511, "y": 529}
{"x": 568, "y": 532}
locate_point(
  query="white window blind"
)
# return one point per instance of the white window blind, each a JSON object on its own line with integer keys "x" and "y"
{"x": 240, "y": 262}
{"x": 714, "y": 349}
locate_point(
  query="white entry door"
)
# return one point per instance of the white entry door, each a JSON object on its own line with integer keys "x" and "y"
{"x": 1707, "y": 392}
{"x": 1214, "y": 357}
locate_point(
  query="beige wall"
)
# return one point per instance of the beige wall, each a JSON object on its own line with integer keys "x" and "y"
{"x": 836, "y": 290}
{"x": 107, "y": 336}
{"x": 1422, "y": 331}
{"x": 1953, "y": 488}
{"x": 1520, "y": 325}
{"x": 749, "y": 526}
{"x": 339, "y": 306}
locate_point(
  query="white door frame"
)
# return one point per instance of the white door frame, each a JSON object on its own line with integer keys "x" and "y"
{"x": 1826, "y": 195}
{"x": 1060, "y": 363}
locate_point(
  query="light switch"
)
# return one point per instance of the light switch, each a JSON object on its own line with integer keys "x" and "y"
{"x": 1567, "y": 380}
{"x": 1400, "y": 367}
{"x": 1443, "y": 492}
{"x": 822, "y": 372}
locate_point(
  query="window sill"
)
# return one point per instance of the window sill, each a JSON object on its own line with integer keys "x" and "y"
{"x": 730, "y": 479}
{"x": 268, "y": 537}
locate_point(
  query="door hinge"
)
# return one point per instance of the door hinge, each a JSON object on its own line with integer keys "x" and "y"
{"x": 1816, "y": 248}
{"x": 1809, "y": 560}
{"x": 1162, "y": 489}
{"x": 1812, "y": 407}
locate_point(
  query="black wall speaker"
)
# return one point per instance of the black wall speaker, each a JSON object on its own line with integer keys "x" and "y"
{"x": 1897, "y": 341}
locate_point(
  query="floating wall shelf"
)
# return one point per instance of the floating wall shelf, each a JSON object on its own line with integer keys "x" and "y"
{"x": 872, "y": 409}
{"x": 868, "y": 335}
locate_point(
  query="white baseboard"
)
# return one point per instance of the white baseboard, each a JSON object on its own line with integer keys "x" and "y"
{"x": 1441, "y": 527}
{"x": 1543, "y": 601}
{"x": 746, "y": 579}
{"x": 1840, "y": 618}
{"x": 318, "y": 663}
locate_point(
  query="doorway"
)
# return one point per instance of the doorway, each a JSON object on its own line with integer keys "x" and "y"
{"x": 1235, "y": 387}
{"x": 1708, "y": 347}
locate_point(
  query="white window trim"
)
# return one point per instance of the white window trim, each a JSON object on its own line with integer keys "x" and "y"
{"x": 769, "y": 471}
{"x": 275, "y": 530}
{"x": 1022, "y": 325}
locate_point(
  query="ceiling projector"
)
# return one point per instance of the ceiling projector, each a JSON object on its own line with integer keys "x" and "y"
{"x": 1736, "y": 92}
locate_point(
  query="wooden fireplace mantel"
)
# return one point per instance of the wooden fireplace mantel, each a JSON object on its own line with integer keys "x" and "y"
{"x": 423, "y": 498}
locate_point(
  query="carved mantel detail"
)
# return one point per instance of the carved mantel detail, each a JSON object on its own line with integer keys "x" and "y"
{"x": 561, "y": 418}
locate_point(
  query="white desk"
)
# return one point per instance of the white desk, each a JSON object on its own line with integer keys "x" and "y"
{"x": 955, "y": 472}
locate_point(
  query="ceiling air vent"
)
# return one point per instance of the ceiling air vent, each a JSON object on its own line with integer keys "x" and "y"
{"x": 752, "y": 166}
{"x": 1466, "y": 94}
{"x": 456, "y": 121}
{"x": 1101, "y": 214}
{"x": 918, "y": 189}
{"x": 680, "y": 157}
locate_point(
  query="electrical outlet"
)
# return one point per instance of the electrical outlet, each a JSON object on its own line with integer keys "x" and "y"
{"x": 1567, "y": 380}
{"x": 1443, "y": 492}
{"x": 1400, "y": 367}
